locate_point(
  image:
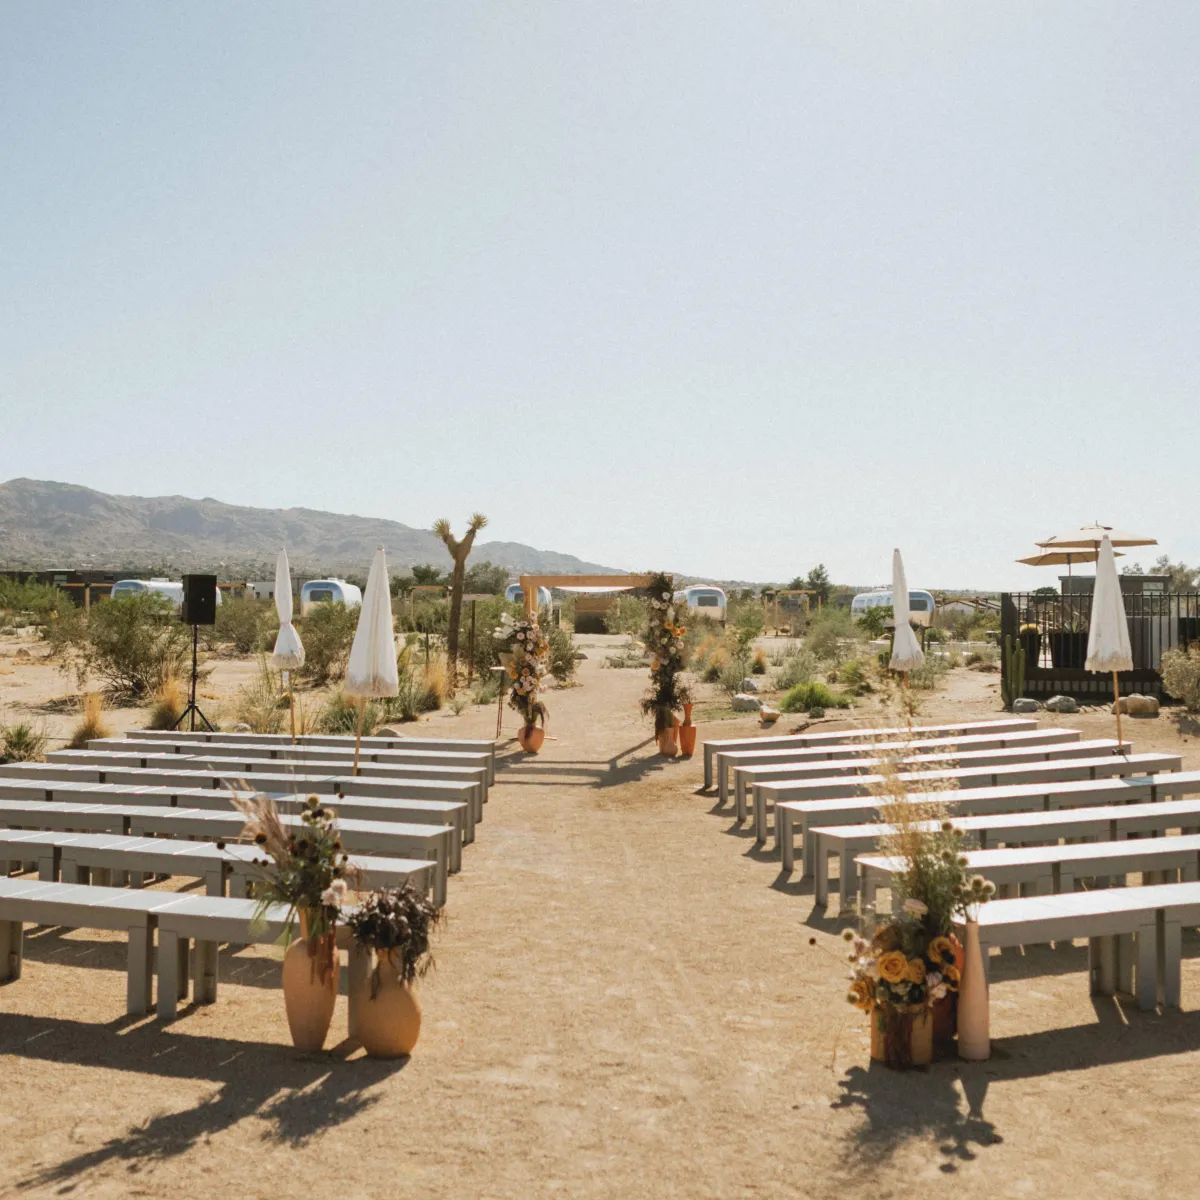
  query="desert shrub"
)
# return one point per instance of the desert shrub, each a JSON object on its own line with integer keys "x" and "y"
{"x": 744, "y": 613}
{"x": 758, "y": 665}
{"x": 798, "y": 667}
{"x": 487, "y": 691}
{"x": 133, "y": 644}
{"x": 852, "y": 674}
{"x": 827, "y": 629}
{"x": 435, "y": 678}
{"x": 167, "y": 704}
{"x": 626, "y": 614}
{"x": 263, "y": 705}
{"x": 22, "y": 742}
{"x": 1181, "y": 676}
{"x": 30, "y": 603}
{"x": 632, "y": 655}
{"x": 563, "y": 663}
{"x": 984, "y": 658}
{"x": 457, "y": 704}
{"x": 414, "y": 697}
{"x": 327, "y": 633}
{"x": 813, "y": 694}
{"x": 873, "y": 621}
{"x": 246, "y": 623}
{"x": 91, "y": 722}
{"x": 929, "y": 674}
{"x": 340, "y": 715}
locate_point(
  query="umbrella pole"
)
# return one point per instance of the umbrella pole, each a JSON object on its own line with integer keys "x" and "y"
{"x": 1117, "y": 705}
{"x": 287, "y": 683}
{"x": 358, "y": 731}
{"x": 907, "y": 704}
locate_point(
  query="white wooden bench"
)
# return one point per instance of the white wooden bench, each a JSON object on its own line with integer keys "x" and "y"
{"x": 280, "y": 782}
{"x": 745, "y": 777}
{"x": 1111, "y": 920}
{"x": 432, "y": 751}
{"x": 1101, "y": 823}
{"x": 1048, "y": 870}
{"x": 844, "y": 736}
{"x": 386, "y": 838}
{"x": 1106, "y": 766}
{"x": 801, "y": 817}
{"x": 728, "y": 761}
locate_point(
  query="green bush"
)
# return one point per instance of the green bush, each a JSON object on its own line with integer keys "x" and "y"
{"x": 873, "y": 621}
{"x": 327, "y": 633}
{"x": 627, "y": 614}
{"x": 31, "y": 603}
{"x": 134, "y": 644}
{"x": 799, "y": 667}
{"x": 826, "y": 631}
{"x": 563, "y": 663}
{"x": 340, "y": 715}
{"x": 247, "y": 624}
{"x": 1181, "y": 676}
{"x": 22, "y": 742}
{"x": 814, "y": 694}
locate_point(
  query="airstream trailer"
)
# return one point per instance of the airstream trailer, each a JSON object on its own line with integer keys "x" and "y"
{"x": 515, "y": 594}
{"x": 329, "y": 591}
{"x": 704, "y": 599}
{"x": 920, "y": 605}
{"x": 161, "y": 587}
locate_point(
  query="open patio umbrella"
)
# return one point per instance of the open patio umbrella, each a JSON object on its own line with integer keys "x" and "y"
{"x": 1057, "y": 558}
{"x": 1090, "y": 537}
{"x": 288, "y": 655}
{"x": 906, "y": 652}
{"x": 371, "y": 672}
{"x": 1108, "y": 639}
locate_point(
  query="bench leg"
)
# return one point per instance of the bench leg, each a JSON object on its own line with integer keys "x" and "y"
{"x": 847, "y": 879}
{"x": 867, "y": 885}
{"x": 1102, "y": 964}
{"x": 137, "y": 879}
{"x": 439, "y": 880}
{"x": 214, "y": 882}
{"x": 47, "y": 871}
{"x": 821, "y": 884}
{"x": 183, "y": 952}
{"x": 204, "y": 989}
{"x": 456, "y": 845}
{"x": 12, "y": 935}
{"x": 784, "y": 835}
{"x": 760, "y": 815}
{"x": 1147, "y": 967}
{"x": 168, "y": 974}
{"x": 1125, "y": 962}
{"x": 139, "y": 971}
{"x": 1170, "y": 962}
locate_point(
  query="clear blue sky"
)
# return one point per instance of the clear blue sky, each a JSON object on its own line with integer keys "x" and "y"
{"x": 725, "y": 287}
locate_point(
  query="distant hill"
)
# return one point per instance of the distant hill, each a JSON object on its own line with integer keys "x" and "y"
{"x": 45, "y": 524}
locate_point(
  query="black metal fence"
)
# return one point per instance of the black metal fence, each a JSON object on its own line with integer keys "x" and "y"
{"x": 1053, "y": 630}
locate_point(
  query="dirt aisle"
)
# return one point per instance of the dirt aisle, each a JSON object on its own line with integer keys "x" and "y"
{"x": 625, "y": 1005}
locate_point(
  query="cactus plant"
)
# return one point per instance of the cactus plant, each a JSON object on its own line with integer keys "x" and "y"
{"x": 1012, "y": 679}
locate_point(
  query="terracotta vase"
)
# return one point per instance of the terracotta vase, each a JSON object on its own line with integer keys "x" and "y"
{"x": 974, "y": 1041}
{"x": 386, "y": 1016}
{"x": 531, "y": 738}
{"x": 914, "y": 1051}
{"x": 310, "y": 987}
{"x": 668, "y": 743}
{"x": 687, "y": 733}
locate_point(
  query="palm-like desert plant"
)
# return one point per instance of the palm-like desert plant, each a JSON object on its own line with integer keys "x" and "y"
{"x": 460, "y": 551}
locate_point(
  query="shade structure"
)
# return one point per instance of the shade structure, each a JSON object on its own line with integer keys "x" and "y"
{"x": 371, "y": 672}
{"x": 906, "y": 652}
{"x": 1059, "y": 558}
{"x": 288, "y": 654}
{"x": 1108, "y": 638}
{"x": 1090, "y": 536}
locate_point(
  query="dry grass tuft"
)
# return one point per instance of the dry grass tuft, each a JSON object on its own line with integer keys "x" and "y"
{"x": 167, "y": 705}
{"x": 91, "y": 722}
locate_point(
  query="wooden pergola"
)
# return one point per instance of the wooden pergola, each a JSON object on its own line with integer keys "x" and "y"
{"x": 771, "y": 601}
{"x": 599, "y": 583}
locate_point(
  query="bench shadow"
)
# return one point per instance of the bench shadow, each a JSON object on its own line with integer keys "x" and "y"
{"x": 609, "y": 772}
{"x": 898, "y": 1107}
{"x": 298, "y": 1096}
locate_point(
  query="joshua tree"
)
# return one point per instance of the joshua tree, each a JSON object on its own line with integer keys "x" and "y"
{"x": 460, "y": 552}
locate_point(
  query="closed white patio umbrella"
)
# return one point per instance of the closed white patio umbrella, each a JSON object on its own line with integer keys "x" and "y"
{"x": 1108, "y": 638}
{"x": 906, "y": 651}
{"x": 371, "y": 673}
{"x": 288, "y": 655}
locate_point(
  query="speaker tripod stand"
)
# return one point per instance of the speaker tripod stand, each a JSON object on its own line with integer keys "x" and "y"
{"x": 193, "y": 709}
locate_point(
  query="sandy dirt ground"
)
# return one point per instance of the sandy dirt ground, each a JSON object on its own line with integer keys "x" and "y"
{"x": 625, "y": 1004}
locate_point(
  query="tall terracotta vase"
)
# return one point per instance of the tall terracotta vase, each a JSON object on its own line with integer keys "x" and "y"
{"x": 974, "y": 1042}
{"x": 310, "y": 987}
{"x": 687, "y": 733}
{"x": 386, "y": 1016}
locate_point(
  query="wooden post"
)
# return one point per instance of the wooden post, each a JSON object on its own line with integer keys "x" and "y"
{"x": 471, "y": 646}
{"x": 1117, "y": 704}
{"x": 358, "y": 730}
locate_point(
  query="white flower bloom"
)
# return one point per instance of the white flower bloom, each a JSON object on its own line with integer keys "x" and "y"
{"x": 666, "y": 595}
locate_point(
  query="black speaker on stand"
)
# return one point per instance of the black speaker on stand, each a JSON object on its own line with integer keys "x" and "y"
{"x": 199, "y": 608}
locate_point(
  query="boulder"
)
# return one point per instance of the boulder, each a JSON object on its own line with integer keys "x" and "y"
{"x": 1137, "y": 705}
{"x": 768, "y": 715}
{"x": 1062, "y": 704}
{"x": 1023, "y": 704}
{"x": 743, "y": 702}
{"x": 748, "y": 685}
{"x": 816, "y": 712}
